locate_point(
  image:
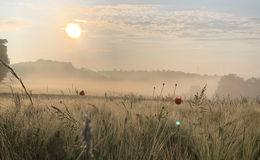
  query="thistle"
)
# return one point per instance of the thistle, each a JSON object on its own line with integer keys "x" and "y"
{"x": 87, "y": 137}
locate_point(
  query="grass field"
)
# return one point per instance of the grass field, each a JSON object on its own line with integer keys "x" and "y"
{"x": 130, "y": 127}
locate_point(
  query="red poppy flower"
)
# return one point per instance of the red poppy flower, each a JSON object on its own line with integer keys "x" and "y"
{"x": 82, "y": 93}
{"x": 178, "y": 100}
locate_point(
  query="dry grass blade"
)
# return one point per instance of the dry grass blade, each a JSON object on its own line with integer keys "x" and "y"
{"x": 18, "y": 78}
{"x": 65, "y": 115}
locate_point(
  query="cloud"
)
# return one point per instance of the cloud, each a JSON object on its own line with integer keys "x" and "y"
{"x": 155, "y": 20}
{"x": 12, "y": 24}
{"x": 28, "y": 5}
{"x": 80, "y": 20}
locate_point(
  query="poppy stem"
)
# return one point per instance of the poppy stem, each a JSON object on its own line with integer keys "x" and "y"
{"x": 153, "y": 91}
{"x": 162, "y": 89}
{"x": 174, "y": 89}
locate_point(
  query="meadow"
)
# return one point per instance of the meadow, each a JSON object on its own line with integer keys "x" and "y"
{"x": 128, "y": 127}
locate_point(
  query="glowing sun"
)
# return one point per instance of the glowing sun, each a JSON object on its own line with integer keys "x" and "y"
{"x": 73, "y": 30}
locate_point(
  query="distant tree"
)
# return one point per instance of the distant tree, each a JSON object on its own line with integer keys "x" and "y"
{"x": 253, "y": 86}
{"x": 231, "y": 85}
{"x": 4, "y": 58}
{"x": 235, "y": 86}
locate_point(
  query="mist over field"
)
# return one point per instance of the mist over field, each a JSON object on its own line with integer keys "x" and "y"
{"x": 46, "y": 76}
{"x": 56, "y": 77}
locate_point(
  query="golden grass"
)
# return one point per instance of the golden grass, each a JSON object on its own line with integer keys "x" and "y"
{"x": 129, "y": 127}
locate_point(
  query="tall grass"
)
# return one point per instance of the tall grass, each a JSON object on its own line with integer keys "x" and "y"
{"x": 128, "y": 128}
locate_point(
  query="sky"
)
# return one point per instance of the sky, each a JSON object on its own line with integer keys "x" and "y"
{"x": 198, "y": 36}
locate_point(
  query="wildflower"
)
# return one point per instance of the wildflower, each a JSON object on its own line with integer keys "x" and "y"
{"x": 82, "y": 93}
{"x": 178, "y": 100}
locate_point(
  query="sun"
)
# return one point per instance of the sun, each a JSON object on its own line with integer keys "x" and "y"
{"x": 73, "y": 30}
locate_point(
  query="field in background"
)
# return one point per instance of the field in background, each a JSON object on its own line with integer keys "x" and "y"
{"x": 185, "y": 88}
{"x": 128, "y": 127}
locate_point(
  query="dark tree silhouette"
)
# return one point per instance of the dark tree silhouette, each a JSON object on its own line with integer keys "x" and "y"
{"x": 4, "y": 58}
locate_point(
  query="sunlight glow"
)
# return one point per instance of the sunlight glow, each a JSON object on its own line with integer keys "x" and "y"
{"x": 73, "y": 30}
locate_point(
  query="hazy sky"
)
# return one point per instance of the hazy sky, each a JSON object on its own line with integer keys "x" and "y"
{"x": 204, "y": 36}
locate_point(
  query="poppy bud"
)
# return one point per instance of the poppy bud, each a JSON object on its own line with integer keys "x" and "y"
{"x": 178, "y": 100}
